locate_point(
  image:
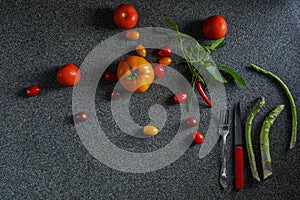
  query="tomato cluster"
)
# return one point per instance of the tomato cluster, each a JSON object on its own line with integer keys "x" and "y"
{"x": 135, "y": 73}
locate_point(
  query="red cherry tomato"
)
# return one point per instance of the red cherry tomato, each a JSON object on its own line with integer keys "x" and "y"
{"x": 125, "y": 16}
{"x": 115, "y": 95}
{"x": 198, "y": 137}
{"x": 68, "y": 75}
{"x": 81, "y": 117}
{"x": 165, "y": 51}
{"x": 111, "y": 77}
{"x": 33, "y": 90}
{"x": 159, "y": 71}
{"x": 214, "y": 27}
{"x": 180, "y": 97}
{"x": 191, "y": 121}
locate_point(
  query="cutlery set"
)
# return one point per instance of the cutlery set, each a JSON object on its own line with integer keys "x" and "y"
{"x": 238, "y": 148}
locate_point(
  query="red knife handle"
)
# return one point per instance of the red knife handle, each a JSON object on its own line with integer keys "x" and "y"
{"x": 239, "y": 168}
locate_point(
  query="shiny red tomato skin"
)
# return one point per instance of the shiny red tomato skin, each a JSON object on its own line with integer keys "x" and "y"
{"x": 165, "y": 51}
{"x": 159, "y": 71}
{"x": 214, "y": 27}
{"x": 125, "y": 16}
{"x": 68, "y": 75}
{"x": 191, "y": 121}
{"x": 198, "y": 137}
{"x": 115, "y": 95}
{"x": 81, "y": 117}
{"x": 111, "y": 77}
{"x": 33, "y": 90}
{"x": 180, "y": 97}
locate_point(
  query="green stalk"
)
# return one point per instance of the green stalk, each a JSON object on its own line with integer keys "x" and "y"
{"x": 291, "y": 100}
{"x": 250, "y": 151}
{"x": 264, "y": 141}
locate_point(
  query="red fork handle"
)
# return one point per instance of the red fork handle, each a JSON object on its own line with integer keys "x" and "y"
{"x": 239, "y": 168}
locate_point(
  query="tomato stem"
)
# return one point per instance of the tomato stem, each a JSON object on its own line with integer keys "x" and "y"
{"x": 134, "y": 73}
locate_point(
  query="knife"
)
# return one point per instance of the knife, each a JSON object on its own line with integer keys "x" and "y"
{"x": 238, "y": 149}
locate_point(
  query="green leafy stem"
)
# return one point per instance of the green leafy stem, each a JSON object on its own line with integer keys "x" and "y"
{"x": 196, "y": 55}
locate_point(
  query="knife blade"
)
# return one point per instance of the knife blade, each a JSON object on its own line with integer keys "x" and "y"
{"x": 238, "y": 149}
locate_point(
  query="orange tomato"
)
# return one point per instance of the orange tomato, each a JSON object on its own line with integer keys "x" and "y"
{"x": 141, "y": 50}
{"x": 165, "y": 61}
{"x": 135, "y": 74}
{"x": 132, "y": 35}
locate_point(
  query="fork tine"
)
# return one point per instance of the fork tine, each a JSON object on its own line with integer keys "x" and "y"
{"x": 222, "y": 116}
{"x": 226, "y": 117}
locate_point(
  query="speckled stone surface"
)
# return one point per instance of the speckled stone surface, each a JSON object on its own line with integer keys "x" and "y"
{"x": 41, "y": 155}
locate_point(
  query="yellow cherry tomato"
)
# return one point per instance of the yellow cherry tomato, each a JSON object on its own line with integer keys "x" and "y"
{"x": 150, "y": 130}
{"x": 141, "y": 50}
{"x": 132, "y": 35}
{"x": 165, "y": 61}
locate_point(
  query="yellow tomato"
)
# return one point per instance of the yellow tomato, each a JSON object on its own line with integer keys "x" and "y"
{"x": 132, "y": 35}
{"x": 150, "y": 130}
{"x": 141, "y": 50}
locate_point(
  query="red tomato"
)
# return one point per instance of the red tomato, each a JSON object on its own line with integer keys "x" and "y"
{"x": 214, "y": 27}
{"x": 111, "y": 77}
{"x": 198, "y": 137}
{"x": 33, "y": 90}
{"x": 115, "y": 95}
{"x": 180, "y": 97}
{"x": 159, "y": 71}
{"x": 81, "y": 117}
{"x": 191, "y": 121}
{"x": 125, "y": 16}
{"x": 68, "y": 75}
{"x": 165, "y": 51}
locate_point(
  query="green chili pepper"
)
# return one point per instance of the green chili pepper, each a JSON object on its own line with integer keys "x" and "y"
{"x": 291, "y": 100}
{"x": 250, "y": 151}
{"x": 264, "y": 141}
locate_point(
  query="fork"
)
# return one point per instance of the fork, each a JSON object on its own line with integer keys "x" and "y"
{"x": 224, "y": 131}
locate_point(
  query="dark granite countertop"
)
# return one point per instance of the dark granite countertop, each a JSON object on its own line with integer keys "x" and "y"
{"x": 43, "y": 157}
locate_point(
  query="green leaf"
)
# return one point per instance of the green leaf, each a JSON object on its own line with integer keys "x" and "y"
{"x": 207, "y": 48}
{"x": 187, "y": 53}
{"x": 214, "y": 72}
{"x": 216, "y": 43}
{"x": 170, "y": 23}
{"x": 223, "y": 44}
{"x": 235, "y": 75}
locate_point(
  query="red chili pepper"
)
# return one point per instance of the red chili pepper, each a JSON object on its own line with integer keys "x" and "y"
{"x": 202, "y": 93}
